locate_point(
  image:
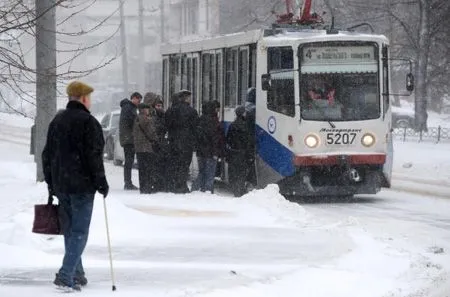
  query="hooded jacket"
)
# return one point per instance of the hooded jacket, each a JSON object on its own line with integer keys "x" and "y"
{"x": 144, "y": 133}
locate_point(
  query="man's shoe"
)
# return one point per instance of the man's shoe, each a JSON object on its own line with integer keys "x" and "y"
{"x": 61, "y": 285}
{"x": 80, "y": 280}
{"x": 130, "y": 187}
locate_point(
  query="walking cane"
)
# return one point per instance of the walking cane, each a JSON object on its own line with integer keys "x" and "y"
{"x": 109, "y": 247}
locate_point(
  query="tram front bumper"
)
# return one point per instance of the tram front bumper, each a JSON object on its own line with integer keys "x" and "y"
{"x": 350, "y": 182}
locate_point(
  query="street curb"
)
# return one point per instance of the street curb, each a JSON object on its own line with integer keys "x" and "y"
{"x": 421, "y": 188}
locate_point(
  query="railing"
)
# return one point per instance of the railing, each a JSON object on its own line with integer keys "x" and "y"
{"x": 434, "y": 134}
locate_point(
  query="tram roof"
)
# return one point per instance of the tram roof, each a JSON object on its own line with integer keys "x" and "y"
{"x": 276, "y": 39}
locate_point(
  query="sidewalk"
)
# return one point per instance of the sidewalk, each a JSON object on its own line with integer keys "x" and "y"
{"x": 422, "y": 168}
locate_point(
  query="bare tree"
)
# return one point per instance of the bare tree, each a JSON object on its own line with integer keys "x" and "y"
{"x": 18, "y": 20}
{"x": 21, "y": 23}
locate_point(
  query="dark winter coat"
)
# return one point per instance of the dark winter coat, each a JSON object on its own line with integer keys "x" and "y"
{"x": 161, "y": 145}
{"x": 210, "y": 136}
{"x": 160, "y": 124}
{"x": 128, "y": 115}
{"x": 144, "y": 134}
{"x": 181, "y": 123}
{"x": 238, "y": 141}
{"x": 73, "y": 155}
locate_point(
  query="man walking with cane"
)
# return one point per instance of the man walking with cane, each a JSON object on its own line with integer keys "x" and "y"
{"x": 73, "y": 168}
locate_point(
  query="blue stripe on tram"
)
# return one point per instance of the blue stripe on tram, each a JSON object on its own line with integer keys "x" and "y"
{"x": 276, "y": 155}
{"x": 272, "y": 152}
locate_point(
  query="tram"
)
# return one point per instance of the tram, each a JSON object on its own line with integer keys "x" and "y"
{"x": 323, "y": 107}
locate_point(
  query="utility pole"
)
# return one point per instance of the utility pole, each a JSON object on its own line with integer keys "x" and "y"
{"x": 123, "y": 42}
{"x": 141, "y": 47}
{"x": 45, "y": 77}
{"x": 396, "y": 98}
{"x": 162, "y": 16}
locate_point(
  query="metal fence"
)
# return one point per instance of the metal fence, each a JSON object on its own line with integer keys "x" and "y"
{"x": 434, "y": 134}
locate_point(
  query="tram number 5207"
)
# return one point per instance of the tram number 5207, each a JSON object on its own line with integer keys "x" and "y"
{"x": 341, "y": 138}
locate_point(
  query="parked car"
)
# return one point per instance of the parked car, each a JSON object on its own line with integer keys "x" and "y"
{"x": 402, "y": 118}
{"x": 118, "y": 154}
{"x": 110, "y": 124}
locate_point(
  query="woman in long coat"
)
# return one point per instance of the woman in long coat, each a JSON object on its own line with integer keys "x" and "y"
{"x": 144, "y": 137}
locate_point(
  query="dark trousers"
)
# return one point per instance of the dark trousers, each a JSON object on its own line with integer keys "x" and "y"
{"x": 160, "y": 172}
{"x": 206, "y": 174}
{"x": 77, "y": 213}
{"x": 147, "y": 172}
{"x": 129, "y": 153}
{"x": 237, "y": 174}
{"x": 178, "y": 170}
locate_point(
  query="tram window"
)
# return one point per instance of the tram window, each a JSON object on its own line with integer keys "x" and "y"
{"x": 183, "y": 72}
{"x": 212, "y": 78}
{"x": 243, "y": 75}
{"x": 385, "y": 79}
{"x": 280, "y": 58}
{"x": 174, "y": 76}
{"x": 219, "y": 68}
{"x": 194, "y": 81}
{"x": 164, "y": 81}
{"x": 281, "y": 97}
{"x": 231, "y": 78}
{"x": 206, "y": 79}
{"x": 189, "y": 73}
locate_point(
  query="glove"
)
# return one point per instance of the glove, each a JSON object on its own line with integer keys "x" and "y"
{"x": 103, "y": 190}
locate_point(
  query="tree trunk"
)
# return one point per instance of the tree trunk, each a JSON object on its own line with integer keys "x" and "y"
{"x": 421, "y": 67}
{"x": 45, "y": 76}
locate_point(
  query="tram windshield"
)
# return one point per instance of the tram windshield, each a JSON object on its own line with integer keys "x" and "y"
{"x": 335, "y": 87}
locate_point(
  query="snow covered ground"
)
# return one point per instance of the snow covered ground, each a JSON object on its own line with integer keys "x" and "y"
{"x": 392, "y": 244}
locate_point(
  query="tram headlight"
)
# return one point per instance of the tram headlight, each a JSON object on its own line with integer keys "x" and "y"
{"x": 368, "y": 140}
{"x": 312, "y": 141}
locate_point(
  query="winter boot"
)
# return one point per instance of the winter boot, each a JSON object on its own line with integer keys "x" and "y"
{"x": 80, "y": 279}
{"x": 130, "y": 187}
{"x": 61, "y": 285}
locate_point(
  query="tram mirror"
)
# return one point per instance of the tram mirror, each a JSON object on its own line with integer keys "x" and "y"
{"x": 410, "y": 82}
{"x": 265, "y": 82}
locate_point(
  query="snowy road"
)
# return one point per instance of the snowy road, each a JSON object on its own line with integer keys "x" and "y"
{"x": 391, "y": 244}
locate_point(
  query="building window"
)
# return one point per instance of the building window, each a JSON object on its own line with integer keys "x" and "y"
{"x": 190, "y": 17}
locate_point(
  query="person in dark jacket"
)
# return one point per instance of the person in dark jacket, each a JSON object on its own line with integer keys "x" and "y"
{"x": 181, "y": 122}
{"x": 144, "y": 135}
{"x": 128, "y": 115}
{"x": 161, "y": 145}
{"x": 72, "y": 162}
{"x": 209, "y": 147}
{"x": 238, "y": 152}
{"x": 250, "y": 118}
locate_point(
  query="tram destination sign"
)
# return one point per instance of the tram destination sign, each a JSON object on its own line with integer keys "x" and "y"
{"x": 338, "y": 54}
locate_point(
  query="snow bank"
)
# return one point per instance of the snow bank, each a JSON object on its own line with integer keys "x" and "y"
{"x": 274, "y": 203}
